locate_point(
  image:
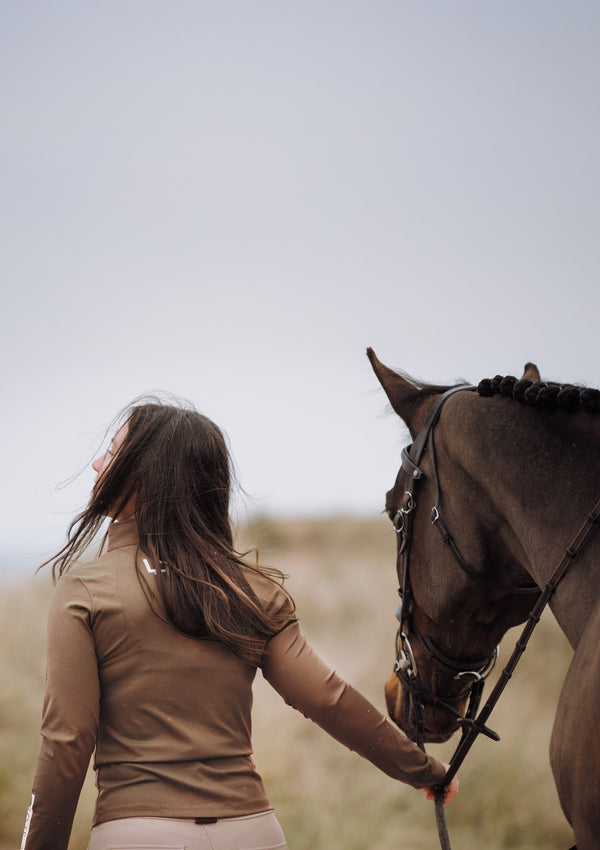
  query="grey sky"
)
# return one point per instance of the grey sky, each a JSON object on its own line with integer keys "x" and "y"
{"x": 232, "y": 200}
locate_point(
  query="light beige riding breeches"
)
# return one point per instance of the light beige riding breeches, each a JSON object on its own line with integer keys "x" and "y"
{"x": 251, "y": 832}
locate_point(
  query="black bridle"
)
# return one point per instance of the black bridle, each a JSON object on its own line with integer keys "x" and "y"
{"x": 406, "y": 670}
{"x": 471, "y": 670}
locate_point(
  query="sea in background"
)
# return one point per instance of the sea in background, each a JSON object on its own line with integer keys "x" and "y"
{"x": 342, "y": 576}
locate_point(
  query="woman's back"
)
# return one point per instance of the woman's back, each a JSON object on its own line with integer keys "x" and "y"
{"x": 170, "y": 714}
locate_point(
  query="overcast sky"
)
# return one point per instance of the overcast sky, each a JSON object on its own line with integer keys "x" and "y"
{"x": 231, "y": 200}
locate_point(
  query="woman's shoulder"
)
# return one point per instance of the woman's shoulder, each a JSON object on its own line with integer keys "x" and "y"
{"x": 93, "y": 575}
{"x": 96, "y": 566}
{"x": 271, "y": 593}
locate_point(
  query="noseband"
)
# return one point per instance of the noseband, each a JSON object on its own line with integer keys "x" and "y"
{"x": 473, "y": 670}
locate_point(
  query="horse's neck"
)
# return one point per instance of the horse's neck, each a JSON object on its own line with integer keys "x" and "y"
{"x": 578, "y": 591}
{"x": 546, "y": 482}
{"x": 548, "y": 512}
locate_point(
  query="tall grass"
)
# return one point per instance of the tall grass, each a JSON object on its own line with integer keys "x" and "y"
{"x": 341, "y": 573}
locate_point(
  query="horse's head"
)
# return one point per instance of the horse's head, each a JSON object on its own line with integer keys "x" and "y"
{"x": 461, "y": 573}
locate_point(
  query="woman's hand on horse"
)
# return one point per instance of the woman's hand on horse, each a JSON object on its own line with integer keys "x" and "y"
{"x": 450, "y": 791}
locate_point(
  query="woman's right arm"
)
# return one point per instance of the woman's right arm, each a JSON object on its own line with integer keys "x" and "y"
{"x": 69, "y": 720}
{"x": 309, "y": 685}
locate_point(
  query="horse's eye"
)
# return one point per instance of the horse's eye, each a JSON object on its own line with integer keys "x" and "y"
{"x": 391, "y": 512}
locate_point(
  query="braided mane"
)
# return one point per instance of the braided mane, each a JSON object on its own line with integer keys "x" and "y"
{"x": 541, "y": 394}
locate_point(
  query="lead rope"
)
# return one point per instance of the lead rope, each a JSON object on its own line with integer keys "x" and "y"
{"x": 438, "y": 796}
{"x": 440, "y": 819}
{"x": 438, "y": 792}
{"x": 477, "y": 726}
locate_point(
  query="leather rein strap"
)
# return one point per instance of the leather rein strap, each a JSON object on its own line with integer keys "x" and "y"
{"x": 473, "y": 724}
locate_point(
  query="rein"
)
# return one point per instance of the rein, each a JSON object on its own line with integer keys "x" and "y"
{"x": 477, "y": 670}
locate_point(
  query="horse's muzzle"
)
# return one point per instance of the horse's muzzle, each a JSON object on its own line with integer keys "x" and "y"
{"x": 440, "y": 722}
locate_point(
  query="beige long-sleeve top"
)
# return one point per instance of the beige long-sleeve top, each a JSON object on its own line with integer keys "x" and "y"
{"x": 169, "y": 716}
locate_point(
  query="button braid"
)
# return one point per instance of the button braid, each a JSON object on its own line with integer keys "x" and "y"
{"x": 541, "y": 394}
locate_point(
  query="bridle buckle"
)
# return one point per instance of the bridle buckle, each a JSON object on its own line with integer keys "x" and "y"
{"x": 405, "y": 657}
{"x": 407, "y": 507}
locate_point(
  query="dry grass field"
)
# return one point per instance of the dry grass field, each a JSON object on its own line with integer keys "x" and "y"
{"x": 342, "y": 577}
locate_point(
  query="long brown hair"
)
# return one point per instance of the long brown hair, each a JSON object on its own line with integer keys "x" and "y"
{"x": 174, "y": 466}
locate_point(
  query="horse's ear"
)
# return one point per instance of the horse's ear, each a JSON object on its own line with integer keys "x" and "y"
{"x": 531, "y": 372}
{"x": 400, "y": 390}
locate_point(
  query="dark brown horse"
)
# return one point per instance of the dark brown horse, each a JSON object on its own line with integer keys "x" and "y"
{"x": 511, "y": 484}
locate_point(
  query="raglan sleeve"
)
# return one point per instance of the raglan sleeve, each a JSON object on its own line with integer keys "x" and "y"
{"x": 305, "y": 682}
{"x": 69, "y": 718}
